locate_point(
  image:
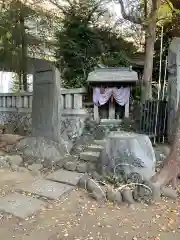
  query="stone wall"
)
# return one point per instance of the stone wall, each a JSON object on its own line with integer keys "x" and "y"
{"x": 15, "y": 109}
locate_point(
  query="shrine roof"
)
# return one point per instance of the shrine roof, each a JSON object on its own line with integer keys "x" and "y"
{"x": 107, "y": 74}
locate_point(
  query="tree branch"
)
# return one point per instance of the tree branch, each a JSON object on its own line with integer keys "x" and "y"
{"x": 132, "y": 19}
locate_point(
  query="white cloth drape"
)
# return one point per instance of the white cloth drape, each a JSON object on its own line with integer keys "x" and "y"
{"x": 120, "y": 95}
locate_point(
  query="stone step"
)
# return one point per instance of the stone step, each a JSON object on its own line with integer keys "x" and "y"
{"x": 95, "y": 148}
{"x": 99, "y": 142}
{"x": 89, "y": 156}
{"x": 20, "y": 206}
{"x": 66, "y": 177}
{"x": 45, "y": 188}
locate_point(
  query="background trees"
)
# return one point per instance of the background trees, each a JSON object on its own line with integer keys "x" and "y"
{"x": 83, "y": 42}
{"x": 17, "y": 42}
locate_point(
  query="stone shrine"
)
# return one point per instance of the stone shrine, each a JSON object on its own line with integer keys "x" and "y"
{"x": 111, "y": 91}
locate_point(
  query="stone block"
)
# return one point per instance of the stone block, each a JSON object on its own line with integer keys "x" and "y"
{"x": 3, "y": 163}
{"x": 95, "y": 148}
{"x": 35, "y": 167}
{"x": 100, "y": 142}
{"x": 67, "y": 177}
{"x": 19, "y": 205}
{"x": 45, "y": 188}
{"x": 14, "y": 159}
{"x": 82, "y": 167}
{"x": 89, "y": 156}
{"x": 70, "y": 166}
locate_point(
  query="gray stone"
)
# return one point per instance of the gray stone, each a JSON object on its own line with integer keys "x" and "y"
{"x": 127, "y": 196}
{"x": 96, "y": 176}
{"x": 14, "y": 167}
{"x": 69, "y": 158}
{"x": 100, "y": 142}
{"x": 46, "y": 104}
{"x": 2, "y": 153}
{"x": 45, "y": 188}
{"x": 19, "y": 205}
{"x": 83, "y": 181}
{"x": 95, "y": 148}
{"x": 91, "y": 167}
{"x": 23, "y": 170}
{"x": 35, "y": 167}
{"x": 3, "y": 163}
{"x": 70, "y": 166}
{"x": 169, "y": 192}
{"x": 96, "y": 190}
{"x": 82, "y": 167}
{"x": 114, "y": 196}
{"x": 42, "y": 148}
{"x": 132, "y": 152}
{"x": 63, "y": 176}
{"x": 89, "y": 156}
{"x": 98, "y": 196}
{"x": 14, "y": 159}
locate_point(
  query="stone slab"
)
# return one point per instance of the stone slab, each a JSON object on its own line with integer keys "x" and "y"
{"x": 95, "y": 148}
{"x": 45, "y": 188}
{"x": 100, "y": 142}
{"x": 90, "y": 156}
{"x": 67, "y": 177}
{"x": 19, "y": 205}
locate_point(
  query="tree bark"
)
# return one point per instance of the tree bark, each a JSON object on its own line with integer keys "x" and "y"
{"x": 23, "y": 50}
{"x": 171, "y": 169}
{"x": 150, "y": 38}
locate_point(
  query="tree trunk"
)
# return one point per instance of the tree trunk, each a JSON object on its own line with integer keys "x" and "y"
{"x": 171, "y": 167}
{"x": 23, "y": 51}
{"x": 146, "y": 92}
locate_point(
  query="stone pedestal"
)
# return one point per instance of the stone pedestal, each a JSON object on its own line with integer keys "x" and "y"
{"x": 129, "y": 153}
{"x": 46, "y": 106}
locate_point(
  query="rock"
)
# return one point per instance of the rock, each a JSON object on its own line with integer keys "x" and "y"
{"x": 23, "y": 170}
{"x": 14, "y": 167}
{"x": 96, "y": 190}
{"x": 156, "y": 190}
{"x": 10, "y": 128}
{"x": 91, "y": 167}
{"x": 127, "y": 196}
{"x": 70, "y": 166}
{"x": 3, "y": 163}
{"x": 14, "y": 159}
{"x": 35, "y": 173}
{"x": 98, "y": 196}
{"x": 96, "y": 176}
{"x": 2, "y": 153}
{"x": 35, "y": 167}
{"x": 114, "y": 196}
{"x": 83, "y": 182}
{"x": 10, "y": 139}
{"x": 132, "y": 152}
{"x": 82, "y": 167}
{"x": 60, "y": 163}
{"x": 42, "y": 148}
{"x": 169, "y": 192}
{"x": 143, "y": 193}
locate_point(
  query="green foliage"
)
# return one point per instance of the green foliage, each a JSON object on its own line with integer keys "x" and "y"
{"x": 83, "y": 43}
{"x": 78, "y": 50}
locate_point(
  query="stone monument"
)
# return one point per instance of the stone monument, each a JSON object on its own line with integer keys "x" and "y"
{"x": 128, "y": 154}
{"x": 46, "y": 140}
{"x": 173, "y": 82}
{"x": 46, "y": 105}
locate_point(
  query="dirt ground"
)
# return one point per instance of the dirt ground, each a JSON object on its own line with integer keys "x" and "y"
{"x": 78, "y": 217}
